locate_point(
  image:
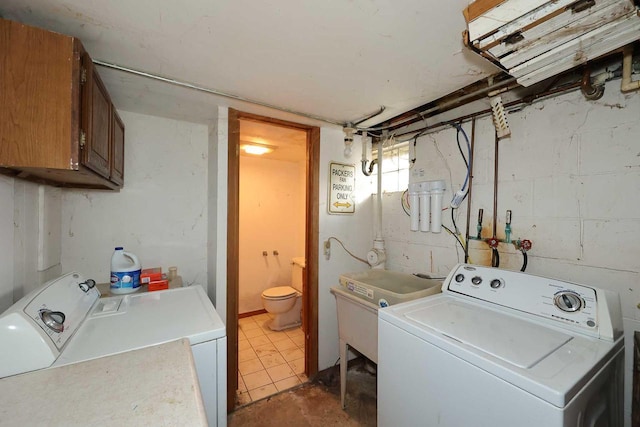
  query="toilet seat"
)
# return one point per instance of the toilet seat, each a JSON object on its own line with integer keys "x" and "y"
{"x": 279, "y": 292}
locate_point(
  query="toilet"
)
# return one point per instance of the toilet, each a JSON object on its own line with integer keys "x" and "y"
{"x": 285, "y": 302}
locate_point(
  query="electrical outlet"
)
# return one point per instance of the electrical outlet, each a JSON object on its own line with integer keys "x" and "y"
{"x": 327, "y": 249}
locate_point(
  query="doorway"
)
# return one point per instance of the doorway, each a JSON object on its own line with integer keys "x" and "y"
{"x": 311, "y": 137}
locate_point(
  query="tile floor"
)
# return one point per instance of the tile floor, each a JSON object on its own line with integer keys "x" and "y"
{"x": 268, "y": 361}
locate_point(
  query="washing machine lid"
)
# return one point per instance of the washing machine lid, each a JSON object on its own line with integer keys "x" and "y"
{"x": 279, "y": 292}
{"x": 516, "y": 341}
{"x": 128, "y": 322}
{"x": 496, "y": 340}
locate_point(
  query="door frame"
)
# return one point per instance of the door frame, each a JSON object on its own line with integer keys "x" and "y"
{"x": 312, "y": 227}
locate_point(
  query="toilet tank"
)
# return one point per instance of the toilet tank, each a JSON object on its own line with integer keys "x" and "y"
{"x": 297, "y": 270}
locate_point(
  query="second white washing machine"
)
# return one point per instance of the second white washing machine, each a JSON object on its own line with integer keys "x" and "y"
{"x": 500, "y": 349}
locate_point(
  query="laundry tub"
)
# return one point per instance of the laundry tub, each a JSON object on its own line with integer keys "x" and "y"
{"x": 358, "y": 298}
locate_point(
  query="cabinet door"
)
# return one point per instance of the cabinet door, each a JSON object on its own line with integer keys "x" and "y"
{"x": 96, "y": 119}
{"x": 117, "y": 149}
{"x": 37, "y": 98}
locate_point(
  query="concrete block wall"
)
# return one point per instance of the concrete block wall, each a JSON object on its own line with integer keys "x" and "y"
{"x": 570, "y": 172}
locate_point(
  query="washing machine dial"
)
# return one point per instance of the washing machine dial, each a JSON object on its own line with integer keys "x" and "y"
{"x": 476, "y": 280}
{"x": 54, "y": 320}
{"x": 459, "y": 277}
{"x": 495, "y": 283}
{"x": 568, "y": 301}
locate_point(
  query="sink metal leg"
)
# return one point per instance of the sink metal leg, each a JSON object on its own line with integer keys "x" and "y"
{"x": 343, "y": 371}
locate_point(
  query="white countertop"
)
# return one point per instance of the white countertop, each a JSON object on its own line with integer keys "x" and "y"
{"x": 155, "y": 386}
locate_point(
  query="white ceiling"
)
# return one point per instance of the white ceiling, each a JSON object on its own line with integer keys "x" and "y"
{"x": 336, "y": 59}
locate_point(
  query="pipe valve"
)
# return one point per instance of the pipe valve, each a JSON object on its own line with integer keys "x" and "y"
{"x": 523, "y": 245}
{"x": 493, "y": 242}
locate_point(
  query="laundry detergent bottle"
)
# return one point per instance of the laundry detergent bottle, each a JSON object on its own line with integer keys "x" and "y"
{"x": 125, "y": 272}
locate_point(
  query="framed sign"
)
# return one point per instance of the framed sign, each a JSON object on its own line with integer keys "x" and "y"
{"x": 342, "y": 184}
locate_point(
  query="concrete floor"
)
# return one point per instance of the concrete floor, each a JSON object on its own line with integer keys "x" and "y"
{"x": 317, "y": 403}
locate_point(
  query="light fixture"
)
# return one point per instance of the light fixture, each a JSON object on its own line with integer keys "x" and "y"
{"x": 257, "y": 149}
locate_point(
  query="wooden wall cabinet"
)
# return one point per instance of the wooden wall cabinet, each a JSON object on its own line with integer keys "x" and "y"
{"x": 57, "y": 122}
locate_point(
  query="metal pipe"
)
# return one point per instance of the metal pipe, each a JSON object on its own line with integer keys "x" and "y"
{"x": 379, "y": 195}
{"x": 495, "y": 186}
{"x": 421, "y": 115}
{"x": 213, "y": 91}
{"x": 506, "y": 85}
{"x": 508, "y": 107}
{"x": 627, "y": 61}
{"x": 473, "y": 139}
{"x": 370, "y": 116}
{"x": 589, "y": 90}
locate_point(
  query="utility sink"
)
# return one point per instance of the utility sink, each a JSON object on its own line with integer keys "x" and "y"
{"x": 384, "y": 287}
{"x": 358, "y": 299}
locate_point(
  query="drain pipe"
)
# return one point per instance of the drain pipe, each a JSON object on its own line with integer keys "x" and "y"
{"x": 377, "y": 256}
{"x": 365, "y": 160}
{"x": 590, "y": 90}
{"x": 627, "y": 62}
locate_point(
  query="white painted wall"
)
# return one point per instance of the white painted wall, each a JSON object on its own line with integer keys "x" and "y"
{"x": 570, "y": 173}
{"x": 29, "y": 241}
{"x": 217, "y": 172}
{"x": 355, "y": 231}
{"x": 6, "y": 242}
{"x": 272, "y": 218}
{"x": 161, "y": 212}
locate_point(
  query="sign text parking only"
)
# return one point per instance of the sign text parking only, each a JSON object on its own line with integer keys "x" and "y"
{"x": 342, "y": 180}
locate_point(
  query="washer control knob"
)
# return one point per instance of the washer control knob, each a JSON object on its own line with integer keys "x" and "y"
{"x": 476, "y": 280}
{"x": 496, "y": 283}
{"x": 460, "y": 278}
{"x": 54, "y": 320}
{"x": 87, "y": 284}
{"x": 568, "y": 301}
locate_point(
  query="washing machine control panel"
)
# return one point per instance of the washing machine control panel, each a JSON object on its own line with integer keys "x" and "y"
{"x": 61, "y": 306}
{"x": 571, "y": 304}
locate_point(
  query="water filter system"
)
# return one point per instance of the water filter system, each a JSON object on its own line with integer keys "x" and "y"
{"x": 425, "y": 201}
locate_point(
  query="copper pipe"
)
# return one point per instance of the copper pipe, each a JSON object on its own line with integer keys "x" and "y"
{"x": 527, "y": 100}
{"x": 473, "y": 140}
{"x": 495, "y": 186}
{"x": 590, "y": 91}
{"x": 505, "y": 85}
{"x": 495, "y": 257}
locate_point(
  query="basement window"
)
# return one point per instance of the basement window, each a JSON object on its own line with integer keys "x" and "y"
{"x": 395, "y": 167}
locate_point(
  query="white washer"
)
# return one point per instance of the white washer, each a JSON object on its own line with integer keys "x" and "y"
{"x": 501, "y": 348}
{"x": 65, "y": 321}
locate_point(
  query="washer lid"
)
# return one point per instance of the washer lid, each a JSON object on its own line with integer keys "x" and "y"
{"x": 132, "y": 321}
{"x": 516, "y": 341}
{"x": 279, "y": 292}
